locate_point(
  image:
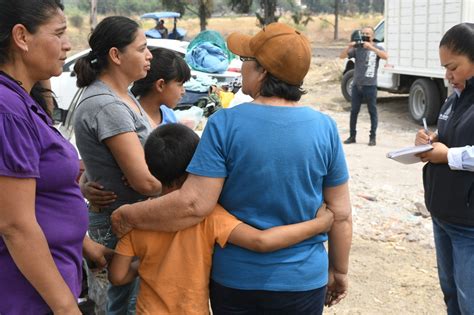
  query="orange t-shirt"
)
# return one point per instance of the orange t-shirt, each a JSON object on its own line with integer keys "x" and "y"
{"x": 175, "y": 267}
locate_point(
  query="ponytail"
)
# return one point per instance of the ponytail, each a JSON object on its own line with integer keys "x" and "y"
{"x": 87, "y": 69}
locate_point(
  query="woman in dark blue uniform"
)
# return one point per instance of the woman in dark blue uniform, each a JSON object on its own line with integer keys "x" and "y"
{"x": 448, "y": 177}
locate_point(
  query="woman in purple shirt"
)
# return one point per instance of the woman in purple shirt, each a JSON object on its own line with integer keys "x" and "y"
{"x": 43, "y": 217}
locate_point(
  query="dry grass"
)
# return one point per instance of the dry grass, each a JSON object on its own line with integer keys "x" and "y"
{"x": 319, "y": 31}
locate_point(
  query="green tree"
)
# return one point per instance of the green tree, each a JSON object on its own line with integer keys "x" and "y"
{"x": 346, "y": 6}
{"x": 175, "y": 5}
{"x": 241, "y": 6}
{"x": 320, "y": 6}
{"x": 202, "y": 8}
{"x": 301, "y": 17}
{"x": 124, "y": 7}
{"x": 269, "y": 8}
{"x": 93, "y": 14}
{"x": 205, "y": 8}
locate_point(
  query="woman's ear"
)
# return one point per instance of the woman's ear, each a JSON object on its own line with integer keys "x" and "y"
{"x": 20, "y": 37}
{"x": 160, "y": 85}
{"x": 114, "y": 55}
{"x": 262, "y": 74}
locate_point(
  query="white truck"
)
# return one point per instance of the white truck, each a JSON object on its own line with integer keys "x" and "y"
{"x": 410, "y": 33}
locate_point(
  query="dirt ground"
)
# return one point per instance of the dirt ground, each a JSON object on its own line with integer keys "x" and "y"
{"x": 392, "y": 265}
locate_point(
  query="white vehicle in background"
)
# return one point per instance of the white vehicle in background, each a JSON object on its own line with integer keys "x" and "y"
{"x": 411, "y": 33}
{"x": 64, "y": 86}
{"x": 68, "y": 95}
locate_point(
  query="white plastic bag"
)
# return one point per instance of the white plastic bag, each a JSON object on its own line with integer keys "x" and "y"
{"x": 189, "y": 117}
{"x": 98, "y": 282}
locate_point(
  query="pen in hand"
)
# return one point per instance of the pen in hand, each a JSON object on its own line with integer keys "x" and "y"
{"x": 425, "y": 126}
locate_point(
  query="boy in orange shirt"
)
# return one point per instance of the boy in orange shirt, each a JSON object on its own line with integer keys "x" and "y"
{"x": 174, "y": 268}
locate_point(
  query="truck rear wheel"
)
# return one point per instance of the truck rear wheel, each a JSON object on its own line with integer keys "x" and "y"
{"x": 346, "y": 84}
{"x": 424, "y": 101}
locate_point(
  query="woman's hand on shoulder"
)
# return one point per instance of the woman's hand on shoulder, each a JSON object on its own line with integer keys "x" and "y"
{"x": 120, "y": 225}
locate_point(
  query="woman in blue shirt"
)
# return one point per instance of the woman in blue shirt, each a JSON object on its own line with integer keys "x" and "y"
{"x": 269, "y": 162}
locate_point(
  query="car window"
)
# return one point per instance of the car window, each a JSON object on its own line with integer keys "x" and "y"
{"x": 67, "y": 66}
{"x": 66, "y": 128}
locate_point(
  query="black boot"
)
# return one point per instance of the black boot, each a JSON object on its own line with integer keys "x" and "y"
{"x": 372, "y": 141}
{"x": 351, "y": 139}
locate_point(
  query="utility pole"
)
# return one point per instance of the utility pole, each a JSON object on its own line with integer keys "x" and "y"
{"x": 93, "y": 16}
{"x": 203, "y": 14}
{"x": 336, "y": 19}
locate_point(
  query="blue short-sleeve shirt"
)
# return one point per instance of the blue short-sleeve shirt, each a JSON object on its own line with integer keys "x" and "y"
{"x": 275, "y": 161}
{"x": 167, "y": 115}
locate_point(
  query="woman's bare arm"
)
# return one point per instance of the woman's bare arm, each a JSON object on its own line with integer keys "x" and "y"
{"x": 28, "y": 246}
{"x": 175, "y": 211}
{"x": 128, "y": 152}
{"x": 340, "y": 240}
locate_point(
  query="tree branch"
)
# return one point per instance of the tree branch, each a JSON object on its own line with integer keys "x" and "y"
{"x": 327, "y": 21}
{"x": 190, "y": 9}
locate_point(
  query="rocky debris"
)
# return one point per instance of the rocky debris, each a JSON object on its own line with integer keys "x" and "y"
{"x": 369, "y": 198}
{"x": 421, "y": 210}
{"x": 391, "y": 224}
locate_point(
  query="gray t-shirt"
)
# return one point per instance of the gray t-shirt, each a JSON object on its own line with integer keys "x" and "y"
{"x": 101, "y": 114}
{"x": 366, "y": 65}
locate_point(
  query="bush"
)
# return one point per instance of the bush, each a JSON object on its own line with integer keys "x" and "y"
{"x": 76, "y": 20}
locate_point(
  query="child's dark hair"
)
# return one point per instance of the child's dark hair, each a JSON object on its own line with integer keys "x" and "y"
{"x": 113, "y": 31}
{"x": 168, "y": 151}
{"x": 460, "y": 40}
{"x": 166, "y": 65}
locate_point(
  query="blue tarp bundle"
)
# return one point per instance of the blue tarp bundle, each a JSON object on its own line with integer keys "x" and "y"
{"x": 207, "y": 57}
{"x": 208, "y": 53}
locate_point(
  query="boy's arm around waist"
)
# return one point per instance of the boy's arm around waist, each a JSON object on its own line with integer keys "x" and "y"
{"x": 279, "y": 237}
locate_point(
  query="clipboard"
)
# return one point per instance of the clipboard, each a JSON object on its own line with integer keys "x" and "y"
{"x": 407, "y": 155}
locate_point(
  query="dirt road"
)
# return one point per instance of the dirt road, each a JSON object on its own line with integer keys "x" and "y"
{"x": 392, "y": 266}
